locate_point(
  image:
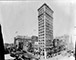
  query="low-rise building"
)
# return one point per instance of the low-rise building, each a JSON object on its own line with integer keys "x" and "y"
{"x": 64, "y": 43}
{"x": 23, "y": 41}
{"x": 63, "y": 40}
{"x": 26, "y": 43}
{"x": 34, "y": 39}
{"x": 36, "y": 47}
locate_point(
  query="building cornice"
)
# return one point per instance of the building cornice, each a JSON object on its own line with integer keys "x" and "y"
{"x": 47, "y": 6}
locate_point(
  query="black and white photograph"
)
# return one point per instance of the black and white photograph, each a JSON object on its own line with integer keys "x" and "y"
{"x": 37, "y": 29}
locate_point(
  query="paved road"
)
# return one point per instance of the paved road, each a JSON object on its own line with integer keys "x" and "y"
{"x": 7, "y": 57}
{"x": 59, "y": 57}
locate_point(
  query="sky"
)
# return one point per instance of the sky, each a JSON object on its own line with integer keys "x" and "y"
{"x": 21, "y": 18}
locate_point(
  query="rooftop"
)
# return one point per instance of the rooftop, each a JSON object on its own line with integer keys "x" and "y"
{"x": 45, "y": 5}
{"x": 23, "y": 37}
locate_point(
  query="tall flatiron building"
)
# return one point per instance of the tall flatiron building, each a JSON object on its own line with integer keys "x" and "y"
{"x": 45, "y": 29}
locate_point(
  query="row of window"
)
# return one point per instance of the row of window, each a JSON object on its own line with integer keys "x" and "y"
{"x": 41, "y": 10}
{"x": 48, "y": 38}
{"x": 49, "y": 31}
{"x": 49, "y": 28}
{"x": 47, "y": 8}
{"x": 42, "y": 49}
{"x": 49, "y": 21}
{"x": 49, "y": 44}
{"x": 41, "y": 40}
{"x": 47, "y": 16}
{"x": 40, "y": 13}
{"x": 49, "y": 12}
{"x": 40, "y": 27}
{"x": 41, "y": 43}
{"x": 41, "y": 32}
{"x": 42, "y": 46}
{"x": 49, "y": 35}
{"x": 41, "y": 17}
{"x": 41, "y": 35}
{"x": 41, "y": 22}
{"x": 49, "y": 24}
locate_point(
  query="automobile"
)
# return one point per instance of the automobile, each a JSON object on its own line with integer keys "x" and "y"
{"x": 34, "y": 59}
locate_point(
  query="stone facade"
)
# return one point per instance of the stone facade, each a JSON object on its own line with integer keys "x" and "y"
{"x": 45, "y": 28}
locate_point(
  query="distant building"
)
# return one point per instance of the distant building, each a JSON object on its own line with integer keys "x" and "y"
{"x": 56, "y": 42}
{"x": 66, "y": 41}
{"x": 18, "y": 39}
{"x": 24, "y": 41}
{"x": 45, "y": 28}
{"x": 7, "y": 45}
{"x": 34, "y": 38}
{"x": 63, "y": 40}
{"x": 36, "y": 46}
